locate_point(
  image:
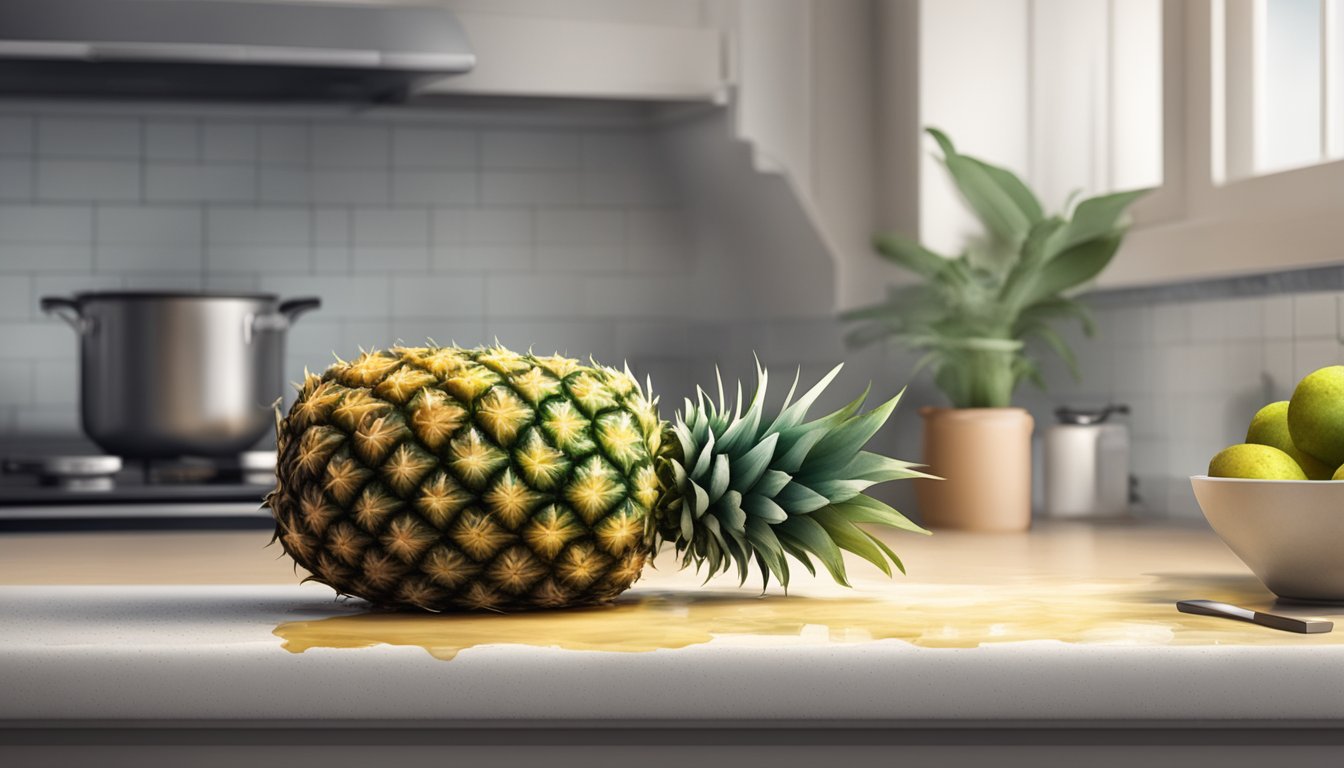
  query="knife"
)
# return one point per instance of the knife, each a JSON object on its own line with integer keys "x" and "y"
{"x": 1271, "y": 620}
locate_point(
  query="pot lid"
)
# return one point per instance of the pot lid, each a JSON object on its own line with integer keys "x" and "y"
{"x": 1084, "y": 417}
{"x": 84, "y": 296}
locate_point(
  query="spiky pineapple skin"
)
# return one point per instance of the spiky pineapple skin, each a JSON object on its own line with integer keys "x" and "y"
{"x": 441, "y": 478}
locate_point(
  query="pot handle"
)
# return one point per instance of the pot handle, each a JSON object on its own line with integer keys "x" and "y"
{"x": 67, "y": 310}
{"x": 292, "y": 308}
{"x": 286, "y": 313}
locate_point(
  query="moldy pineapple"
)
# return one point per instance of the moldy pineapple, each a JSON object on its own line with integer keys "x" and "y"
{"x": 441, "y": 478}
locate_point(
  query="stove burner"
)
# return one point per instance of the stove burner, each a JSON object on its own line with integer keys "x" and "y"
{"x": 71, "y": 473}
{"x": 104, "y": 473}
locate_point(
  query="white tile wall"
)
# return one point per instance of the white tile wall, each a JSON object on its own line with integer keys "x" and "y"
{"x": 1195, "y": 382}
{"x": 557, "y": 238}
{"x": 561, "y": 239}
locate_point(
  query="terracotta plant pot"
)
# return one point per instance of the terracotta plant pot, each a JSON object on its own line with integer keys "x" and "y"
{"x": 984, "y": 458}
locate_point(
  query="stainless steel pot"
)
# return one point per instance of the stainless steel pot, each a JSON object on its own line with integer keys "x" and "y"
{"x": 177, "y": 374}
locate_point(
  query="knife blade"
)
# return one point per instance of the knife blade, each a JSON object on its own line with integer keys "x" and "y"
{"x": 1271, "y": 620}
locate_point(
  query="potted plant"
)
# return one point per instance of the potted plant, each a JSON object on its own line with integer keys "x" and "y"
{"x": 972, "y": 314}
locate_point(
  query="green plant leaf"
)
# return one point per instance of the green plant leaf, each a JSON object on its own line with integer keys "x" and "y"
{"x": 911, "y": 255}
{"x": 797, "y": 411}
{"x": 1073, "y": 267}
{"x": 729, "y": 511}
{"x": 850, "y": 538}
{"x": 866, "y": 509}
{"x": 980, "y": 185}
{"x": 798, "y": 499}
{"x": 766, "y": 546}
{"x": 944, "y": 143}
{"x": 808, "y": 535}
{"x": 837, "y": 448}
{"x": 796, "y": 551}
{"x": 1097, "y": 217}
{"x": 771, "y": 483}
{"x": 867, "y": 465}
{"x": 1020, "y": 193}
{"x": 718, "y": 478}
{"x": 748, "y": 469}
{"x": 765, "y": 509}
{"x": 970, "y": 313}
{"x": 1056, "y": 343}
{"x": 882, "y": 545}
{"x": 1055, "y": 308}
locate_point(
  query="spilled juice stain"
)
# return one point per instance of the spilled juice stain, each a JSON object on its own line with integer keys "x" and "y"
{"x": 1127, "y": 612}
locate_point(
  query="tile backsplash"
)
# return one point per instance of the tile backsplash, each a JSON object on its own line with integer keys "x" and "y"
{"x": 1194, "y": 370}
{"x": 560, "y": 237}
{"x": 567, "y": 238}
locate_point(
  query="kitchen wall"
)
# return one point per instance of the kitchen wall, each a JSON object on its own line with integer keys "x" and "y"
{"x": 568, "y": 236}
{"x": 1195, "y": 362}
{"x": 597, "y": 237}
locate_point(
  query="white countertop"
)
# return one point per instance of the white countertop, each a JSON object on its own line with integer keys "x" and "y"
{"x": 1069, "y": 623}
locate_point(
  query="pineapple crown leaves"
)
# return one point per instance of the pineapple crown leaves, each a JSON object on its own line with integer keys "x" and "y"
{"x": 744, "y": 488}
{"x": 1009, "y": 285}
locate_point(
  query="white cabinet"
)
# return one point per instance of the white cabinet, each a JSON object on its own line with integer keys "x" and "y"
{"x": 652, "y": 50}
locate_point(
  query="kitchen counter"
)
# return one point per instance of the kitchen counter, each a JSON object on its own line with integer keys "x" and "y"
{"x": 1069, "y": 624}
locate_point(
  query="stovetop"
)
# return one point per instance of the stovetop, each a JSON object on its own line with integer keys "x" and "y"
{"x": 56, "y": 486}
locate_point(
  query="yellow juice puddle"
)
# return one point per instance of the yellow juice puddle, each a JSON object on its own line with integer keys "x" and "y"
{"x": 1128, "y": 612}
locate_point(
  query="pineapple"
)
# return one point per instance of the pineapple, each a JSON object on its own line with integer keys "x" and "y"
{"x": 446, "y": 478}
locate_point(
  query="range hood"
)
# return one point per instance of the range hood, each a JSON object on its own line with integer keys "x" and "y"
{"x": 225, "y": 49}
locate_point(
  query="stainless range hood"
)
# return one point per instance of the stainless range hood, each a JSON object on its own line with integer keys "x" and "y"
{"x": 225, "y": 49}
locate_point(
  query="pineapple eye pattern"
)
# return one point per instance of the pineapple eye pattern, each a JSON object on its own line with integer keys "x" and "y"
{"x": 468, "y": 479}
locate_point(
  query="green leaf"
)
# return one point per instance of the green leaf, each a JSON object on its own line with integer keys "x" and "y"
{"x": 766, "y": 546}
{"x": 718, "y": 478}
{"x": 765, "y": 509}
{"x": 772, "y": 482}
{"x": 1026, "y": 369}
{"x": 795, "y": 413}
{"x": 701, "y": 467}
{"x": 1041, "y": 246}
{"x": 850, "y": 538}
{"x": 1058, "y": 307}
{"x": 729, "y": 511}
{"x": 824, "y": 425}
{"x": 1056, "y": 343}
{"x": 886, "y": 550}
{"x": 698, "y": 498}
{"x": 838, "y": 448}
{"x": 743, "y": 431}
{"x": 808, "y": 535}
{"x": 795, "y": 550}
{"x": 798, "y": 499}
{"x": 748, "y": 469}
{"x": 1073, "y": 267}
{"x": 944, "y": 143}
{"x": 1002, "y": 209}
{"x": 867, "y": 465}
{"x": 907, "y": 253}
{"x": 866, "y": 509}
{"x": 839, "y": 491}
{"x": 1097, "y": 217}
{"x": 1012, "y": 186}
{"x": 683, "y": 434}
{"x": 792, "y": 460}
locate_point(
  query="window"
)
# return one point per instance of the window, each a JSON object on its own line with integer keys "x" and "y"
{"x": 1278, "y": 85}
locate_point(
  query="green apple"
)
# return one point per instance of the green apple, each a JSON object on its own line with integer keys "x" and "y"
{"x": 1316, "y": 415}
{"x": 1259, "y": 462}
{"x": 1270, "y": 427}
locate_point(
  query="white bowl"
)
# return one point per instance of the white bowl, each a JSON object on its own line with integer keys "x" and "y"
{"x": 1290, "y": 532}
